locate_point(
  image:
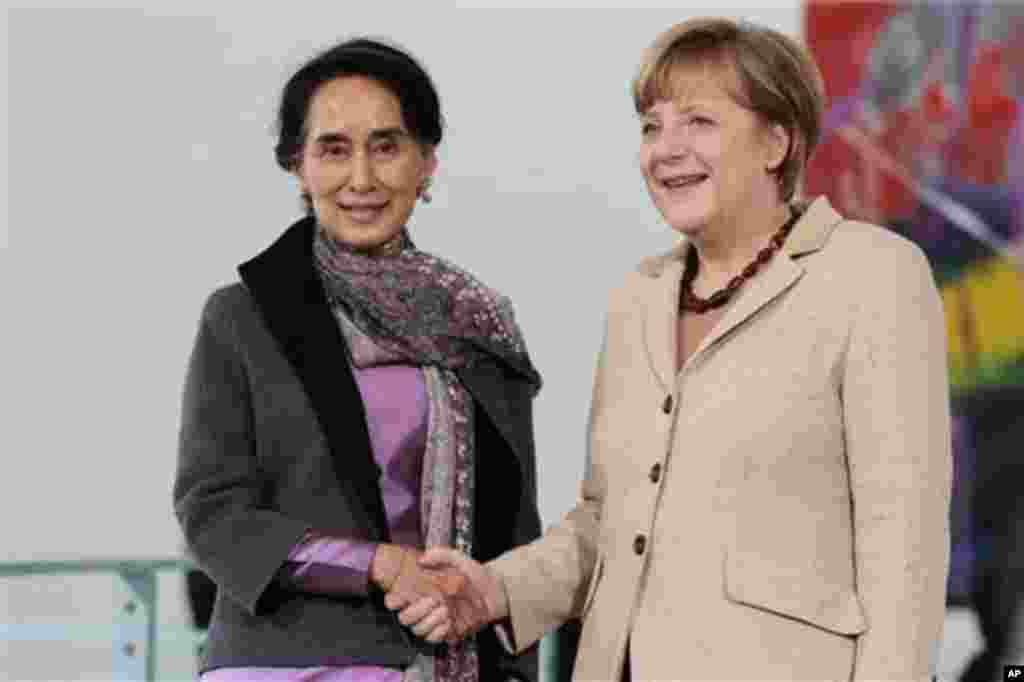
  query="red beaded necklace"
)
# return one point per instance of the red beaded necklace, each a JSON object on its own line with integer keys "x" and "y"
{"x": 690, "y": 302}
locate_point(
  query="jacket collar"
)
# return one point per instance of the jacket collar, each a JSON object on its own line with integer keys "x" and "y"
{"x": 810, "y": 234}
{"x": 287, "y": 290}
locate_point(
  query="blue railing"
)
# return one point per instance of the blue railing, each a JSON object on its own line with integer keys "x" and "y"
{"x": 133, "y": 633}
{"x": 134, "y": 629}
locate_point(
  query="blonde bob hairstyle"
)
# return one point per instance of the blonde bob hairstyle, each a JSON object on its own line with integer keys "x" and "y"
{"x": 777, "y": 78}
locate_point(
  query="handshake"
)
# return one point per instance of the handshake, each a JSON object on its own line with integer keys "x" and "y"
{"x": 441, "y": 594}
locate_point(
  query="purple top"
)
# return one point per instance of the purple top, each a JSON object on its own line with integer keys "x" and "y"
{"x": 396, "y": 413}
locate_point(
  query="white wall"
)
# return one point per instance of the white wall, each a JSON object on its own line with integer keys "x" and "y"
{"x": 140, "y": 172}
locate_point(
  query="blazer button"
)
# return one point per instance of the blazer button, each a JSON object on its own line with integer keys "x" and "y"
{"x": 655, "y": 474}
{"x": 666, "y": 406}
{"x": 639, "y": 544}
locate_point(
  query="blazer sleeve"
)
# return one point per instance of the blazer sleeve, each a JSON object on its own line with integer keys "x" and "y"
{"x": 220, "y": 492}
{"x": 895, "y": 396}
{"x": 546, "y": 581}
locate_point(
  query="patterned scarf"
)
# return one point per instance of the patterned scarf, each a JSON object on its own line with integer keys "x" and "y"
{"x": 416, "y": 308}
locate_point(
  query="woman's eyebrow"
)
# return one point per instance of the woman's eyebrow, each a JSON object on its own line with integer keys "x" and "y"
{"x": 333, "y": 136}
{"x": 388, "y": 133}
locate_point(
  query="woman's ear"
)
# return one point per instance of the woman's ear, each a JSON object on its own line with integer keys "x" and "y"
{"x": 300, "y": 182}
{"x": 779, "y": 142}
{"x": 430, "y": 156}
{"x": 295, "y": 168}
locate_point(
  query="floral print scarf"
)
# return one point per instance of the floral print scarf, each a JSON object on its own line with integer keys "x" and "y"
{"x": 416, "y": 308}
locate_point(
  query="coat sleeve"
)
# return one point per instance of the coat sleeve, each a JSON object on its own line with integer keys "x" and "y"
{"x": 895, "y": 396}
{"x": 220, "y": 492}
{"x": 546, "y": 581}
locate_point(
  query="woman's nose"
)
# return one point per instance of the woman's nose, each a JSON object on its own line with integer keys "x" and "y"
{"x": 363, "y": 178}
{"x": 672, "y": 145}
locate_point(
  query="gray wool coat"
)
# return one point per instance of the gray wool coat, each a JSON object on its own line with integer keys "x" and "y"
{"x": 274, "y": 442}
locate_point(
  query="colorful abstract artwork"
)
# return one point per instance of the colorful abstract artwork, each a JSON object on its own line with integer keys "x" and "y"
{"x": 924, "y": 133}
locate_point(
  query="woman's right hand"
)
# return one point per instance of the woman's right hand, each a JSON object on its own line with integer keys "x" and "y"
{"x": 396, "y": 570}
{"x": 479, "y": 600}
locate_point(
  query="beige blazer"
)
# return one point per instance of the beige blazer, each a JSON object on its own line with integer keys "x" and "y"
{"x": 778, "y": 510}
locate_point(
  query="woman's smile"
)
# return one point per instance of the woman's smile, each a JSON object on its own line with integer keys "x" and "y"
{"x": 682, "y": 181}
{"x": 364, "y": 213}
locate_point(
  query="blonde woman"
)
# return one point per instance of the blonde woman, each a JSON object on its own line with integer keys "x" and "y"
{"x": 769, "y": 470}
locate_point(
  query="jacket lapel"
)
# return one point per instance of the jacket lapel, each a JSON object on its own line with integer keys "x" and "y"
{"x": 661, "y": 319}
{"x": 780, "y": 274}
{"x": 284, "y": 284}
{"x": 506, "y": 401}
{"x": 810, "y": 234}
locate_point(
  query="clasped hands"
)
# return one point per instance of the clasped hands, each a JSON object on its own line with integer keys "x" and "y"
{"x": 441, "y": 594}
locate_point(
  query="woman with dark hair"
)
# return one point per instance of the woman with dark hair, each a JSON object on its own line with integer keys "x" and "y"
{"x": 351, "y": 401}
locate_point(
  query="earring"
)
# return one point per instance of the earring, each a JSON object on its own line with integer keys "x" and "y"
{"x": 423, "y": 192}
